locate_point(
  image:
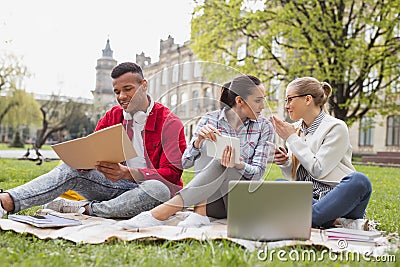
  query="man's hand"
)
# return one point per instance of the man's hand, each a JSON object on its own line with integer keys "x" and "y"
{"x": 114, "y": 171}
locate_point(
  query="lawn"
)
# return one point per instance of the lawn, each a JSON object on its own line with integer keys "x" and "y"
{"x": 27, "y": 250}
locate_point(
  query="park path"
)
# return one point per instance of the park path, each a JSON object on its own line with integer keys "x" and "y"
{"x": 14, "y": 154}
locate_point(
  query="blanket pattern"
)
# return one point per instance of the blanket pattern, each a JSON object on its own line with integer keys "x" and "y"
{"x": 96, "y": 230}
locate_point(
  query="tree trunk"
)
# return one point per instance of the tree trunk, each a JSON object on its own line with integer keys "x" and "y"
{"x": 7, "y": 109}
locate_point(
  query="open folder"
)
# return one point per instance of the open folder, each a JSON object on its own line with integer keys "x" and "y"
{"x": 110, "y": 144}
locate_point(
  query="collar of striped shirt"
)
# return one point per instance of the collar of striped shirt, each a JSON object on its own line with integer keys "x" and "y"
{"x": 313, "y": 127}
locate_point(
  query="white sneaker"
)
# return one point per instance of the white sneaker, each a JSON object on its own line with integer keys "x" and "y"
{"x": 358, "y": 224}
{"x": 66, "y": 206}
{"x": 194, "y": 220}
{"x": 142, "y": 220}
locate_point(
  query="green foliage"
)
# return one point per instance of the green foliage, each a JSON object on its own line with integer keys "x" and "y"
{"x": 25, "y": 112}
{"x": 17, "y": 107}
{"x": 352, "y": 44}
{"x": 27, "y": 250}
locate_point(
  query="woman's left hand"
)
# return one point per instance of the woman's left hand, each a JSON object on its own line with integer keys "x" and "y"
{"x": 228, "y": 159}
{"x": 283, "y": 128}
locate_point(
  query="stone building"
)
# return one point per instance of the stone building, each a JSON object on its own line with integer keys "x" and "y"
{"x": 178, "y": 81}
{"x": 103, "y": 94}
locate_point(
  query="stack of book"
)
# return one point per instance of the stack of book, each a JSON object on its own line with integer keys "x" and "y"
{"x": 45, "y": 221}
{"x": 352, "y": 235}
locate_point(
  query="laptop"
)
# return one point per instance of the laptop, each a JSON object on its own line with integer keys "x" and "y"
{"x": 269, "y": 210}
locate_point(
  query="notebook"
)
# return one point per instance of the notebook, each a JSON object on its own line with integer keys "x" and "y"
{"x": 269, "y": 210}
{"x": 215, "y": 149}
{"x": 351, "y": 234}
{"x": 45, "y": 221}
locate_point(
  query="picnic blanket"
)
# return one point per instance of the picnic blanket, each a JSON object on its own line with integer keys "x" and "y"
{"x": 96, "y": 230}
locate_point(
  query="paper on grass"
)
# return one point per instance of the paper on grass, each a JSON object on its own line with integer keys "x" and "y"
{"x": 110, "y": 144}
{"x": 215, "y": 149}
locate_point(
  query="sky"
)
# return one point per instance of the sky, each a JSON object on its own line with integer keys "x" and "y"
{"x": 60, "y": 41}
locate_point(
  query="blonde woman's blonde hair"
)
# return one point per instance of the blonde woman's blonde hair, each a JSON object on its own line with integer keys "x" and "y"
{"x": 320, "y": 91}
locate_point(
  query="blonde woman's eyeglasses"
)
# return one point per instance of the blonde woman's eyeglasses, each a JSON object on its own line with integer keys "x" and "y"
{"x": 289, "y": 99}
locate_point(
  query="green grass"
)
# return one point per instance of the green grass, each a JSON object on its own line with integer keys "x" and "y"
{"x": 28, "y": 250}
{"x": 4, "y": 146}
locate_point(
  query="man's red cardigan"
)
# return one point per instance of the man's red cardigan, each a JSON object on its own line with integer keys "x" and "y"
{"x": 164, "y": 141}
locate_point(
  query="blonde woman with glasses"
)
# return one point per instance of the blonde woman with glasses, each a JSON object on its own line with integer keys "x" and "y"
{"x": 319, "y": 151}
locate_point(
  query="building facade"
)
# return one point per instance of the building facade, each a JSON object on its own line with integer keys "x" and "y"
{"x": 178, "y": 80}
{"x": 103, "y": 94}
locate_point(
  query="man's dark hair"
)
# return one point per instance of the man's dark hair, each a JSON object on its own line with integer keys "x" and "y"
{"x": 125, "y": 67}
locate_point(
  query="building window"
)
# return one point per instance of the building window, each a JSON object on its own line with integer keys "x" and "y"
{"x": 393, "y": 131}
{"x": 157, "y": 85}
{"x": 371, "y": 82}
{"x": 152, "y": 88}
{"x": 164, "y": 100}
{"x": 208, "y": 99}
{"x": 175, "y": 73}
{"x": 164, "y": 76}
{"x": 184, "y": 102}
{"x": 195, "y": 101}
{"x": 366, "y": 132}
{"x": 186, "y": 71}
{"x": 174, "y": 102}
{"x": 197, "y": 69}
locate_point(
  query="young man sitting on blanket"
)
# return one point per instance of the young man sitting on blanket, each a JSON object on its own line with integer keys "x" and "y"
{"x": 115, "y": 190}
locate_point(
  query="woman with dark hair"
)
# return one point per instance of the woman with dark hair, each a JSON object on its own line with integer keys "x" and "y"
{"x": 320, "y": 152}
{"x": 241, "y": 101}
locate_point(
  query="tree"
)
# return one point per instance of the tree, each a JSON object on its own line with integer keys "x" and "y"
{"x": 25, "y": 112}
{"x": 12, "y": 74}
{"x": 58, "y": 113}
{"x": 351, "y": 44}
